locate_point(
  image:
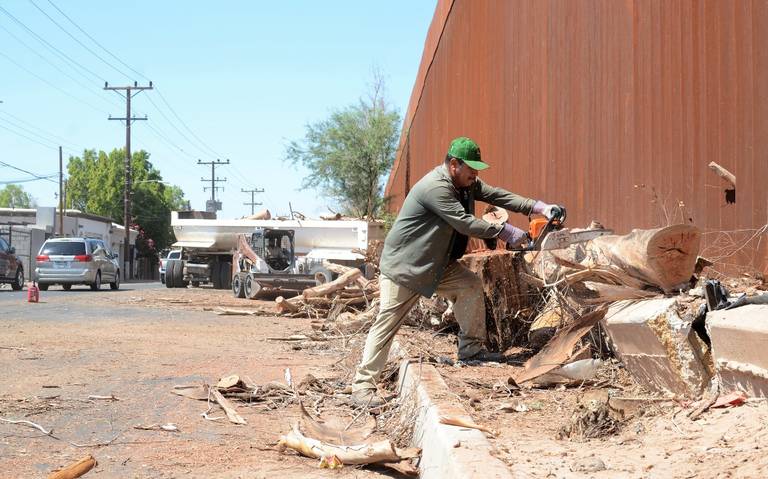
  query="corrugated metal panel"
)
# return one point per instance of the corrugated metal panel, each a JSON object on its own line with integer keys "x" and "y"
{"x": 612, "y": 108}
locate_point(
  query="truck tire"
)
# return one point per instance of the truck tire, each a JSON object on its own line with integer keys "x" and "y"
{"x": 252, "y": 287}
{"x": 169, "y": 267}
{"x": 238, "y": 285}
{"x": 225, "y": 275}
{"x": 215, "y": 272}
{"x": 178, "y": 274}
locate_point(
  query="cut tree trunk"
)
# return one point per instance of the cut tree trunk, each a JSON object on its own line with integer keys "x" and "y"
{"x": 509, "y": 296}
{"x": 663, "y": 257}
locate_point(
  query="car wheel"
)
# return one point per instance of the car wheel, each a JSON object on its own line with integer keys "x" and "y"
{"x": 238, "y": 288}
{"x": 178, "y": 274}
{"x": 252, "y": 287}
{"x": 66, "y": 287}
{"x": 116, "y": 284}
{"x": 216, "y": 275}
{"x": 195, "y": 284}
{"x": 169, "y": 267}
{"x": 42, "y": 286}
{"x": 96, "y": 285}
{"x": 18, "y": 282}
{"x": 162, "y": 279}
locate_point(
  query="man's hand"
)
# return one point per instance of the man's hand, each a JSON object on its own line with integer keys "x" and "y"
{"x": 550, "y": 211}
{"x": 554, "y": 211}
{"x": 511, "y": 235}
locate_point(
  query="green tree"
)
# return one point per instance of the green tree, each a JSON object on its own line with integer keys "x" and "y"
{"x": 348, "y": 154}
{"x": 14, "y": 196}
{"x": 95, "y": 185}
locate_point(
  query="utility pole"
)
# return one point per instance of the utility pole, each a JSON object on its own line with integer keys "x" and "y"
{"x": 212, "y": 206}
{"x": 129, "y": 93}
{"x": 61, "y": 197}
{"x": 252, "y": 192}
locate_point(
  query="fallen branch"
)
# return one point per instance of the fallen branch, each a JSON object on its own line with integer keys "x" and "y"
{"x": 74, "y": 470}
{"x": 232, "y": 414}
{"x": 367, "y": 453}
{"x": 50, "y": 433}
{"x": 468, "y": 423}
{"x": 335, "y": 285}
{"x": 111, "y": 397}
{"x": 170, "y": 427}
{"x": 723, "y": 173}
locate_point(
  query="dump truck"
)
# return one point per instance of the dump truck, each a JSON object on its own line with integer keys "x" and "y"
{"x": 207, "y": 246}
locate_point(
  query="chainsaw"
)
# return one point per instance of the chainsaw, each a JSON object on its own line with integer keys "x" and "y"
{"x": 547, "y": 234}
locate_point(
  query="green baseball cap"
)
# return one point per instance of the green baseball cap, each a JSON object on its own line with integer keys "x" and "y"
{"x": 467, "y": 151}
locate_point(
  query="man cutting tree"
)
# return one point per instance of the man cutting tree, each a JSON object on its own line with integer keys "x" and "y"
{"x": 430, "y": 233}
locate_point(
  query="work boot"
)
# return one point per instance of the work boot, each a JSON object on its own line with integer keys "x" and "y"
{"x": 367, "y": 397}
{"x": 484, "y": 356}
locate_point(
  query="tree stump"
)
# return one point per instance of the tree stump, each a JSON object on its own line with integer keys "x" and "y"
{"x": 509, "y": 297}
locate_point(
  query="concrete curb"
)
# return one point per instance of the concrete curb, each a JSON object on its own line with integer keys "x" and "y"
{"x": 448, "y": 452}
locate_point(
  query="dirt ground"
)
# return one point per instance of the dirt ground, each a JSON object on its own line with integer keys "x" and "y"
{"x": 136, "y": 345}
{"x": 656, "y": 441}
{"x": 153, "y": 339}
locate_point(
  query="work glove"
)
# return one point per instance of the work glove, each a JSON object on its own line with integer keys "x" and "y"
{"x": 550, "y": 211}
{"x": 511, "y": 235}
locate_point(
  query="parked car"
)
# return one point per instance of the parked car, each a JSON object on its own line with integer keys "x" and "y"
{"x": 11, "y": 269}
{"x": 68, "y": 261}
{"x": 164, "y": 261}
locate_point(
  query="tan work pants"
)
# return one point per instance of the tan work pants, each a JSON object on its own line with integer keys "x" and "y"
{"x": 459, "y": 285}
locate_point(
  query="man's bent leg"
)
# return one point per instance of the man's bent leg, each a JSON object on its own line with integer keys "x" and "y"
{"x": 462, "y": 287}
{"x": 395, "y": 302}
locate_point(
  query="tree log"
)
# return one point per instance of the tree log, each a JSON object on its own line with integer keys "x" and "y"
{"x": 507, "y": 295}
{"x": 74, "y": 470}
{"x": 335, "y": 285}
{"x": 285, "y": 305}
{"x": 663, "y": 257}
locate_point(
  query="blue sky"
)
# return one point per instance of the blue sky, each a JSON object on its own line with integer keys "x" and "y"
{"x": 243, "y": 77}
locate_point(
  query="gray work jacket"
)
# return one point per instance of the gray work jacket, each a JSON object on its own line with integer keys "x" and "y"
{"x": 417, "y": 249}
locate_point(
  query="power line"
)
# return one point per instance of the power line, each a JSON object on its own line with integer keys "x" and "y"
{"x": 56, "y": 137}
{"x": 30, "y": 138}
{"x": 173, "y": 124}
{"x": 211, "y": 150}
{"x": 94, "y": 41}
{"x": 44, "y": 138}
{"x": 27, "y": 172}
{"x": 26, "y": 180}
{"x": 51, "y": 47}
{"x": 55, "y": 66}
{"x": 85, "y": 102}
{"x": 78, "y": 41}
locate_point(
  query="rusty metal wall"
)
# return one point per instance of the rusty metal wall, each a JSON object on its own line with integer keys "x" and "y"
{"x": 612, "y": 108}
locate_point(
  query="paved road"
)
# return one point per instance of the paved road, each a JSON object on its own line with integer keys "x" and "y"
{"x": 56, "y": 355}
{"x": 7, "y": 294}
